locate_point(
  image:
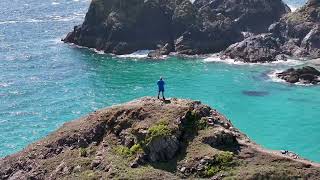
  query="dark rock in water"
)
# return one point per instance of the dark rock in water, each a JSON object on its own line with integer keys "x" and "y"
{"x": 255, "y": 93}
{"x": 305, "y": 75}
{"x": 205, "y": 26}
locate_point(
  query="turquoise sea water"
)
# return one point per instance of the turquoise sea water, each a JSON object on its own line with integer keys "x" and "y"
{"x": 44, "y": 83}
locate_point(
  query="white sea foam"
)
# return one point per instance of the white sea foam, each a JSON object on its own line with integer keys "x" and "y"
{"x": 274, "y": 78}
{"x": 138, "y": 54}
{"x": 75, "y": 16}
{"x": 4, "y": 84}
{"x": 97, "y": 51}
{"x": 8, "y": 22}
{"x": 55, "y": 3}
{"x": 216, "y": 58}
{"x": 55, "y": 41}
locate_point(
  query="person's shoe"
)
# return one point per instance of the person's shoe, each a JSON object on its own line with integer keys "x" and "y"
{"x": 158, "y": 97}
{"x": 164, "y": 98}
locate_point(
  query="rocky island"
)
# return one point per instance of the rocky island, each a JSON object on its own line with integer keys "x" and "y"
{"x": 244, "y": 30}
{"x": 151, "y": 139}
{"x": 182, "y": 26}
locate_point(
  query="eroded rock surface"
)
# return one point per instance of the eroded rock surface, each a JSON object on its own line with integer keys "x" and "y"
{"x": 204, "y": 26}
{"x": 297, "y": 34}
{"x": 151, "y": 139}
{"x": 304, "y": 75}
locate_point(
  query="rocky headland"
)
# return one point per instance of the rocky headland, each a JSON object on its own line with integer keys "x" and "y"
{"x": 181, "y": 26}
{"x": 151, "y": 139}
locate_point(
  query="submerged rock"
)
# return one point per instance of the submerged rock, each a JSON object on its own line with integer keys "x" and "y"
{"x": 202, "y": 26}
{"x": 305, "y": 75}
{"x": 255, "y": 93}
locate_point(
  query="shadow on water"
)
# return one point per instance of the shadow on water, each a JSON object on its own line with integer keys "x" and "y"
{"x": 256, "y": 93}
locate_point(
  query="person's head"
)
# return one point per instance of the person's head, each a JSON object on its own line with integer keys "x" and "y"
{"x": 161, "y": 78}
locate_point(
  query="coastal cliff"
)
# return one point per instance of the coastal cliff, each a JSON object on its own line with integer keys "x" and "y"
{"x": 151, "y": 139}
{"x": 182, "y": 26}
{"x": 297, "y": 35}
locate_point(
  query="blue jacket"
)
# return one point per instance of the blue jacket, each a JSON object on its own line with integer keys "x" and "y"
{"x": 161, "y": 84}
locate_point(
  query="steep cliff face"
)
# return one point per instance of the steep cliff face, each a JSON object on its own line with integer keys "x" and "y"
{"x": 204, "y": 26}
{"x": 152, "y": 139}
{"x": 297, "y": 34}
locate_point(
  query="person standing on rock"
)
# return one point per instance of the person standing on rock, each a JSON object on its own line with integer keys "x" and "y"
{"x": 161, "y": 84}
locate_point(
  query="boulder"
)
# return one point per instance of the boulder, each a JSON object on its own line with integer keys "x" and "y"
{"x": 163, "y": 148}
{"x": 259, "y": 48}
{"x": 305, "y": 75}
{"x": 164, "y": 50}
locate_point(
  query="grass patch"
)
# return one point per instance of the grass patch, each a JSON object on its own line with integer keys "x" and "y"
{"x": 128, "y": 152}
{"x": 89, "y": 175}
{"x": 161, "y": 129}
{"x": 123, "y": 151}
{"x": 222, "y": 162}
{"x": 136, "y": 149}
{"x": 224, "y": 158}
{"x": 211, "y": 171}
{"x": 83, "y": 152}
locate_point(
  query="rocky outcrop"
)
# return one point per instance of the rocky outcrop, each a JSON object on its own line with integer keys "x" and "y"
{"x": 204, "y": 26}
{"x": 305, "y": 75}
{"x": 250, "y": 16}
{"x": 297, "y": 35}
{"x": 151, "y": 139}
{"x": 259, "y": 48}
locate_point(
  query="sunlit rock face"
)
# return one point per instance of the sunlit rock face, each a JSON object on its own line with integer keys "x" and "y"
{"x": 186, "y": 26}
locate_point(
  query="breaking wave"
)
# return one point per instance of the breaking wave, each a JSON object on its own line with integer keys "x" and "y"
{"x": 138, "y": 54}
{"x": 216, "y": 58}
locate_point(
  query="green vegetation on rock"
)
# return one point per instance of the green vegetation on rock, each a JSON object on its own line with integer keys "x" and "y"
{"x": 194, "y": 122}
{"x": 83, "y": 152}
{"x": 136, "y": 149}
{"x": 161, "y": 129}
{"x": 128, "y": 152}
{"x": 211, "y": 171}
{"x": 123, "y": 151}
{"x": 88, "y": 175}
{"x": 224, "y": 158}
{"x": 222, "y": 162}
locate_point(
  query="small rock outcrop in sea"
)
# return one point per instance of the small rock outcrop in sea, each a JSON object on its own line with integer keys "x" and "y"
{"x": 198, "y": 27}
{"x": 151, "y": 139}
{"x": 297, "y": 34}
{"x": 304, "y": 75}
